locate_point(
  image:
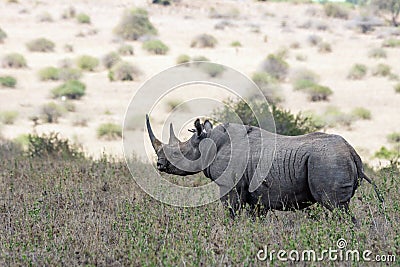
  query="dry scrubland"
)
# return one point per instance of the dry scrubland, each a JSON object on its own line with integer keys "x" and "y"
{"x": 67, "y": 67}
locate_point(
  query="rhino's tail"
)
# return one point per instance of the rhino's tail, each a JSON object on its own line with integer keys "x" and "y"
{"x": 362, "y": 175}
{"x": 378, "y": 194}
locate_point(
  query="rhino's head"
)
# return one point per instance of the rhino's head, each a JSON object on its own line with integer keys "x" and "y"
{"x": 183, "y": 158}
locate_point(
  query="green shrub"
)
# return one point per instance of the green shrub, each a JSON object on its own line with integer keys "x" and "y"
{"x": 303, "y": 79}
{"x": 83, "y": 18}
{"x": 333, "y": 117}
{"x": 126, "y": 50}
{"x": 301, "y": 57}
{"x": 236, "y": 44}
{"x": 51, "y": 112}
{"x": 392, "y": 155}
{"x": 53, "y": 146}
{"x": 134, "y": 24}
{"x": 123, "y": 71}
{"x": 336, "y": 10}
{"x": 275, "y": 66}
{"x": 357, "y": 72}
{"x": 14, "y": 60}
{"x": 397, "y": 88}
{"x": 156, "y": 47}
{"x": 8, "y": 81}
{"x": 111, "y": 59}
{"x": 319, "y": 92}
{"x": 394, "y": 137}
{"x": 72, "y": 89}
{"x": 377, "y": 53}
{"x": 68, "y": 48}
{"x": 286, "y": 123}
{"x": 86, "y": 62}
{"x": 67, "y": 74}
{"x": 8, "y": 117}
{"x": 204, "y": 40}
{"x": 109, "y": 131}
{"x": 324, "y": 47}
{"x": 3, "y": 35}
{"x": 199, "y": 58}
{"x": 40, "y": 45}
{"x": 181, "y": 59}
{"x": 391, "y": 43}
{"x": 69, "y": 106}
{"x": 212, "y": 69}
{"x": 382, "y": 70}
{"x": 269, "y": 87}
{"x": 361, "y": 113}
{"x": 49, "y": 73}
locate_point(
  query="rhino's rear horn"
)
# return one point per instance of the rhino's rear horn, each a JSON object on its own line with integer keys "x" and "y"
{"x": 154, "y": 141}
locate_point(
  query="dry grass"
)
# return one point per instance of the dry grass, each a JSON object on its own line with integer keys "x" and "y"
{"x": 82, "y": 212}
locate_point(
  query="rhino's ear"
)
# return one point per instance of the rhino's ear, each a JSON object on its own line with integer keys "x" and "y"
{"x": 198, "y": 126}
{"x": 208, "y": 126}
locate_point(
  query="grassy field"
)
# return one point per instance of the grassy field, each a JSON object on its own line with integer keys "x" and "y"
{"x": 66, "y": 211}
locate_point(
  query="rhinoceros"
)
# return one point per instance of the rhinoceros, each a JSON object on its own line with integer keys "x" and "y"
{"x": 264, "y": 170}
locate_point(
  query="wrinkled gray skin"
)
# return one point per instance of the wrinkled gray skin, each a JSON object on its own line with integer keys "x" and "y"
{"x": 305, "y": 169}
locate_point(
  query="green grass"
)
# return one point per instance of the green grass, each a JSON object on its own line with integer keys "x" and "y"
{"x": 109, "y": 131}
{"x": 397, "y": 88}
{"x": 71, "y": 89}
{"x": 49, "y": 73}
{"x": 377, "y": 53}
{"x": 361, "y": 113}
{"x": 181, "y": 59}
{"x": 236, "y": 44}
{"x": 87, "y": 63}
{"x": 392, "y": 43}
{"x": 75, "y": 211}
{"x": 13, "y": 60}
{"x": 357, "y": 72}
{"x": 156, "y": 47}
{"x": 382, "y": 69}
{"x": 8, "y": 116}
{"x": 83, "y": 18}
{"x": 8, "y": 81}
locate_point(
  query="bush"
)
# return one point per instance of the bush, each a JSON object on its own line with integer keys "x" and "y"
{"x": 314, "y": 39}
{"x": 181, "y": 59}
{"x": 199, "y": 58}
{"x": 382, "y": 70}
{"x": 8, "y": 81}
{"x": 111, "y": 59}
{"x": 67, "y": 74}
{"x": 391, "y": 43}
{"x": 72, "y": 89}
{"x": 397, "y": 88}
{"x": 275, "y": 66}
{"x": 14, "y": 60}
{"x": 8, "y": 117}
{"x": 392, "y": 155}
{"x": 45, "y": 17}
{"x": 269, "y": 87}
{"x": 286, "y": 123}
{"x": 3, "y": 35}
{"x": 155, "y": 47}
{"x": 333, "y": 117}
{"x": 68, "y": 48}
{"x": 377, "y": 53}
{"x": 40, "y": 45}
{"x": 68, "y": 13}
{"x": 49, "y": 73}
{"x": 357, "y": 72}
{"x": 301, "y": 57}
{"x": 126, "y": 50}
{"x": 394, "y": 137}
{"x": 361, "y": 113}
{"x": 236, "y": 44}
{"x": 123, "y": 71}
{"x": 212, "y": 69}
{"x": 52, "y": 146}
{"x": 88, "y": 63}
{"x": 204, "y": 40}
{"x": 336, "y": 10}
{"x": 324, "y": 47}
{"x": 303, "y": 79}
{"x": 134, "y": 24}
{"x": 51, "y": 112}
{"x": 109, "y": 131}
{"x": 319, "y": 93}
{"x": 83, "y": 18}
{"x": 161, "y": 2}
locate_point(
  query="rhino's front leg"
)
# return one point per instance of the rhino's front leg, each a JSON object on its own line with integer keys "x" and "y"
{"x": 231, "y": 201}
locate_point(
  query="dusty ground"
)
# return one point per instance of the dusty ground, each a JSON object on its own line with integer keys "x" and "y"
{"x": 107, "y": 101}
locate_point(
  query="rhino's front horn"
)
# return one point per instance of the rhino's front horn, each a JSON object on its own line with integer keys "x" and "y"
{"x": 154, "y": 141}
{"x": 172, "y": 137}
